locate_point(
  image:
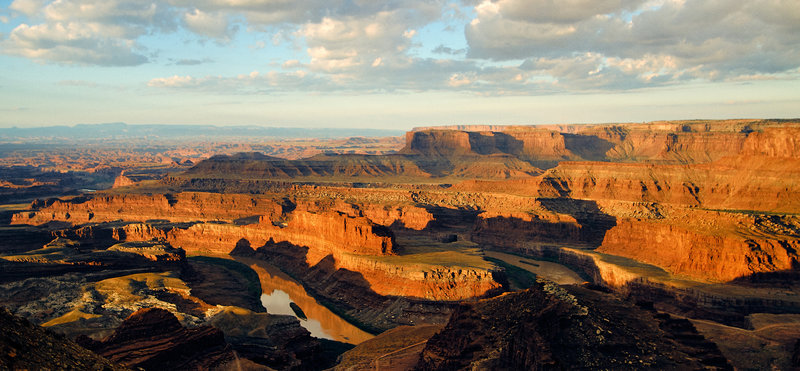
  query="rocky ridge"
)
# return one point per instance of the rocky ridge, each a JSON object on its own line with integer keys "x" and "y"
{"x": 26, "y": 346}
{"x": 554, "y": 328}
{"x": 154, "y": 339}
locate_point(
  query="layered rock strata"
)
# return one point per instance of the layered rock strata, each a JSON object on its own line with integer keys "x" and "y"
{"x": 328, "y": 233}
{"x": 658, "y": 142}
{"x": 180, "y": 207}
{"x": 722, "y": 257}
{"x": 154, "y": 339}
{"x": 353, "y": 241}
{"x": 376, "y": 311}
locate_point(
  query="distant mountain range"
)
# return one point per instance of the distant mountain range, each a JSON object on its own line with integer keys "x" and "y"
{"x": 154, "y": 131}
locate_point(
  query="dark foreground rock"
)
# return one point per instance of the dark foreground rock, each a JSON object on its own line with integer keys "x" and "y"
{"x": 152, "y": 338}
{"x": 547, "y": 327}
{"x": 24, "y": 346}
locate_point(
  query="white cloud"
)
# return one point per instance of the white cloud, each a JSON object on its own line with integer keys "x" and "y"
{"x": 561, "y": 11}
{"x": 93, "y": 32}
{"x": 250, "y": 83}
{"x": 214, "y": 25}
{"x": 292, "y": 63}
{"x": 631, "y": 43}
{"x": 27, "y": 7}
{"x": 458, "y": 80}
{"x": 374, "y": 46}
{"x": 353, "y": 46}
{"x": 173, "y": 82}
{"x": 78, "y": 43}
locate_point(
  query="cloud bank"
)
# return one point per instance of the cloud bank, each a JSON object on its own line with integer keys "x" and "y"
{"x": 510, "y": 47}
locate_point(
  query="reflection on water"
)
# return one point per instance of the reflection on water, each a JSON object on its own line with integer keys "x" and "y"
{"x": 278, "y": 303}
{"x": 279, "y": 290}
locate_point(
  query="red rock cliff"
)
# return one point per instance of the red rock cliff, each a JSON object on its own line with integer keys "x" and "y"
{"x": 326, "y": 233}
{"x": 696, "y": 254}
{"x": 181, "y": 207}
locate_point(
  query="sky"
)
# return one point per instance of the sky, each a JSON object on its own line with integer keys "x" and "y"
{"x": 396, "y": 64}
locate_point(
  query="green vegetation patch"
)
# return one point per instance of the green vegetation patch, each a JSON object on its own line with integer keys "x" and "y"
{"x": 518, "y": 278}
{"x": 250, "y": 276}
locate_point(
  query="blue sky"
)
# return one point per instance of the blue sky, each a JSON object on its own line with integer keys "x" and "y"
{"x": 396, "y": 64}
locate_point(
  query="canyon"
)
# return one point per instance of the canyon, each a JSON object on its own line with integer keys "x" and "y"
{"x": 653, "y": 222}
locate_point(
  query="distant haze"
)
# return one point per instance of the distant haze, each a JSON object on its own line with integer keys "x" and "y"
{"x": 195, "y": 132}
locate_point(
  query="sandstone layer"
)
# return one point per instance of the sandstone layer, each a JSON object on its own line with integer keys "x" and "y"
{"x": 180, "y": 207}
{"x": 705, "y": 256}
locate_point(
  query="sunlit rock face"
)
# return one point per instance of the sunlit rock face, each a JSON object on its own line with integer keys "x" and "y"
{"x": 180, "y": 207}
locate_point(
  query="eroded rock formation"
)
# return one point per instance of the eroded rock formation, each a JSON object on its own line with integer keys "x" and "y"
{"x": 180, "y": 207}
{"x": 559, "y": 329}
{"x": 24, "y": 346}
{"x": 154, "y": 339}
{"x": 718, "y": 257}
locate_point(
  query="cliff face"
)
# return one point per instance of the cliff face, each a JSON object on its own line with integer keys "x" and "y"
{"x": 122, "y": 181}
{"x": 424, "y": 281}
{"x": 333, "y": 231}
{"x": 703, "y": 256}
{"x": 542, "y": 146}
{"x": 437, "y": 143}
{"x": 780, "y": 142}
{"x": 760, "y": 176}
{"x": 356, "y": 250}
{"x": 328, "y": 233}
{"x": 411, "y": 217}
{"x": 665, "y": 143}
{"x": 180, "y": 207}
{"x": 520, "y": 229}
{"x": 388, "y": 215}
{"x": 257, "y": 166}
{"x": 752, "y": 183}
{"x": 676, "y": 146}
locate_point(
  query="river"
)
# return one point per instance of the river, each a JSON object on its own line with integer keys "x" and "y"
{"x": 279, "y": 290}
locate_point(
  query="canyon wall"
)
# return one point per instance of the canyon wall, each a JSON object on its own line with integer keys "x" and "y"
{"x": 760, "y": 174}
{"x": 664, "y": 143}
{"x": 328, "y": 233}
{"x": 258, "y": 166}
{"x": 353, "y": 241}
{"x": 180, "y": 207}
{"x": 519, "y": 230}
{"x": 350, "y": 247}
{"x": 391, "y": 214}
{"x": 681, "y": 251}
{"x": 756, "y": 183}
